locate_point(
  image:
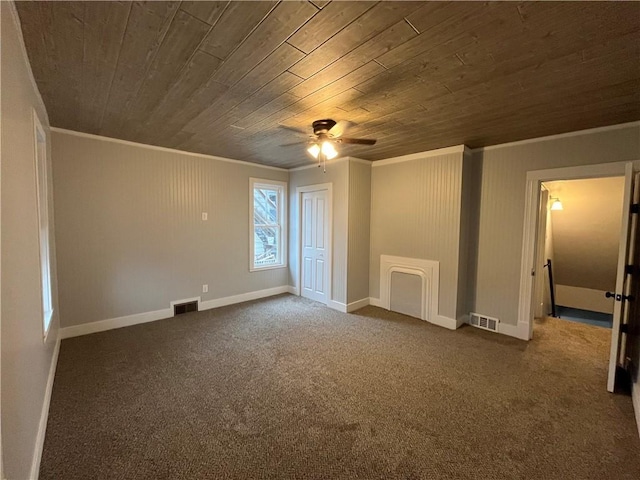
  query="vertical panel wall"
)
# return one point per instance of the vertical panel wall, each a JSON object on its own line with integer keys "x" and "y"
{"x": 466, "y": 230}
{"x": 27, "y": 360}
{"x": 359, "y": 230}
{"x": 337, "y": 174}
{"x": 415, "y": 212}
{"x": 130, "y": 230}
{"x": 502, "y": 200}
{"x": 473, "y": 179}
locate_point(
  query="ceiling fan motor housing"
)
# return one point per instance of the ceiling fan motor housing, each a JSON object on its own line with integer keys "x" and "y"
{"x": 322, "y": 127}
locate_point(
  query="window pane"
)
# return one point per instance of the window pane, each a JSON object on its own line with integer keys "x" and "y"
{"x": 267, "y": 242}
{"x": 265, "y": 206}
{"x": 43, "y": 215}
{"x": 268, "y": 224}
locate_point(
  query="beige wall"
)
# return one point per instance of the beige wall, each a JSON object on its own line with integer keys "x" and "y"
{"x": 338, "y": 175}
{"x": 130, "y": 233}
{"x": 502, "y": 200}
{"x": 587, "y": 231}
{"x": 359, "y": 229}
{"x": 416, "y": 213}
{"x": 26, "y": 360}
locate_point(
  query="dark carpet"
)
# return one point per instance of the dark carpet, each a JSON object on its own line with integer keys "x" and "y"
{"x": 286, "y": 388}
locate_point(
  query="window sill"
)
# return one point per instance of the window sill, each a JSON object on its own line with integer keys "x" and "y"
{"x": 267, "y": 267}
{"x": 48, "y": 317}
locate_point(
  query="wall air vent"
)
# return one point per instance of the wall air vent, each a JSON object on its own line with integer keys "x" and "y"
{"x": 180, "y": 308}
{"x": 483, "y": 321}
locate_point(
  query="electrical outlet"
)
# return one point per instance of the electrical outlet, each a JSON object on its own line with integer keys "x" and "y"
{"x": 205, "y": 216}
{"x": 205, "y": 288}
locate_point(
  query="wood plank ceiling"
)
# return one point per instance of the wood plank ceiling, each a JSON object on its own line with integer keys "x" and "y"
{"x": 228, "y": 78}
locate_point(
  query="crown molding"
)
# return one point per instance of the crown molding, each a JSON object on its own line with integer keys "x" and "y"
{"x": 558, "y": 136}
{"x": 337, "y": 160}
{"x": 420, "y": 155}
{"x": 163, "y": 149}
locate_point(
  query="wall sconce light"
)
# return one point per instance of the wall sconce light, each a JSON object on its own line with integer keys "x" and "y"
{"x": 557, "y": 204}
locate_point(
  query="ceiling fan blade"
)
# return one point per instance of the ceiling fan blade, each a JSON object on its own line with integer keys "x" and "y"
{"x": 297, "y": 130}
{"x": 339, "y": 128}
{"x": 358, "y": 141}
{"x": 294, "y": 144}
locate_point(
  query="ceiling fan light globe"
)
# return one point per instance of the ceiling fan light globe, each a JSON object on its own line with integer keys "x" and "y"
{"x": 314, "y": 150}
{"x": 329, "y": 151}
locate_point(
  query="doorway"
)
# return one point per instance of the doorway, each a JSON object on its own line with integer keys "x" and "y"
{"x": 315, "y": 210}
{"x": 579, "y": 235}
{"x": 531, "y": 263}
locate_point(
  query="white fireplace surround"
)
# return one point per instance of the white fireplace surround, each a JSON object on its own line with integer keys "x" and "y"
{"x": 427, "y": 270}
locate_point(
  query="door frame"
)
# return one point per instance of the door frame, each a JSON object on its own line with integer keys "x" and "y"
{"x": 530, "y": 228}
{"x": 541, "y": 243}
{"x": 329, "y": 268}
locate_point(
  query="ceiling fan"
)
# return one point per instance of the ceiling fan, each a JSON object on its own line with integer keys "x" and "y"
{"x": 326, "y": 134}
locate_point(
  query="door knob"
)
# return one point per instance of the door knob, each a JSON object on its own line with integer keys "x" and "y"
{"x": 618, "y": 297}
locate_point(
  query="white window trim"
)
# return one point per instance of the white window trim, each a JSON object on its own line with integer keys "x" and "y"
{"x": 44, "y": 252}
{"x": 282, "y": 187}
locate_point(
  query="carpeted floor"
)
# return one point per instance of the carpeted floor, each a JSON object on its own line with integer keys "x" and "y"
{"x": 286, "y": 388}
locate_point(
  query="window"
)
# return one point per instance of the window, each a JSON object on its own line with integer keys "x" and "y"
{"x": 42, "y": 196}
{"x": 268, "y": 224}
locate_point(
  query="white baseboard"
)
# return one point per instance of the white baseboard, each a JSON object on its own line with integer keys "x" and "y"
{"x": 446, "y": 322}
{"x": 347, "y": 308}
{"x": 44, "y": 414}
{"x": 339, "y": 306}
{"x": 376, "y": 302}
{"x": 243, "y": 297}
{"x": 357, "y": 305}
{"x": 462, "y": 320}
{"x": 294, "y": 290}
{"x": 439, "y": 320}
{"x": 112, "y": 323}
{"x": 129, "y": 320}
{"x": 520, "y": 331}
{"x": 635, "y": 398}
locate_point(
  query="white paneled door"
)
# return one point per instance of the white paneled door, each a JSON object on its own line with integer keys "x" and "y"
{"x": 315, "y": 245}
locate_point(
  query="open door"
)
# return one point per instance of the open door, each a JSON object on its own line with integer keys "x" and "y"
{"x": 631, "y": 355}
{"x": 623, "y": 277}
